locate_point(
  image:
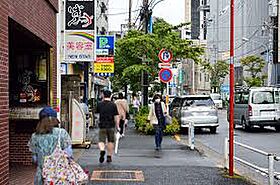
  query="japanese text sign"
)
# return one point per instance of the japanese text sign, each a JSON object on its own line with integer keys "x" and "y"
{"x": 79, "y": 46}
{"x": 79, "y": 15}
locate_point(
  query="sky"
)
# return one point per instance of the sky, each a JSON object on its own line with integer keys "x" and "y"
{"x": 171, "y": 11}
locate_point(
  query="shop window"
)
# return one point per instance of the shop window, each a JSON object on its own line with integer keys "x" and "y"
{"x": 29, "y": 63}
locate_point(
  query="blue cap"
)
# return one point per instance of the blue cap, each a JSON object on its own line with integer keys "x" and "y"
{"x": 47, "y": 112}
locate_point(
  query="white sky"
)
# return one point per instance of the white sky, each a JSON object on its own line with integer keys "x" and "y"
{"x": 171, "y": 11}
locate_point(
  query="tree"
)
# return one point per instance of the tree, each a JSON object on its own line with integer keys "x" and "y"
{"x": 137, "y": 47}
{"x": 254, "y": 65}
{"x": 217, "y": 71}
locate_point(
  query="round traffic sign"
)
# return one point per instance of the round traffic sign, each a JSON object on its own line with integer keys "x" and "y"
{"x": 165, "y": 75}
{"x": 165, "y": 55}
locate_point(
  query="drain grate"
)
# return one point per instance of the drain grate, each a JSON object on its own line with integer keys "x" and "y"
{"x": 117, "y": 175}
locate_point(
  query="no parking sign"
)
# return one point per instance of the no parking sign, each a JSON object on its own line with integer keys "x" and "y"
{"x": 165, "y": 75}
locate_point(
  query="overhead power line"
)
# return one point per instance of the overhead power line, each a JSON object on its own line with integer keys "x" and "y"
{"x": 122, "y": 13}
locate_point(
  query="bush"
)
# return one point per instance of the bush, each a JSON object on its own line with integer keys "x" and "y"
{"x": 172, "y": 128}
{"x": 143, "y": 126}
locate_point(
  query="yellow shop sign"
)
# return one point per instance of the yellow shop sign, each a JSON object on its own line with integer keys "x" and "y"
{"x": 103, "y": 67}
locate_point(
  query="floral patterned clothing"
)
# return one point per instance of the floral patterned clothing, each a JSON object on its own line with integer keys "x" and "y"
{"x": 42, "y": 145}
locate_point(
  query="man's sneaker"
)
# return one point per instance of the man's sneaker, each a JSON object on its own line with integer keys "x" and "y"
{"x": 109, "y": 159}
{"x": 101, "y": 158}
{"x": 157, "y": 148}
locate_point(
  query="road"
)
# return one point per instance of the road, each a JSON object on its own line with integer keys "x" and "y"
{"x": 266, "y": 139}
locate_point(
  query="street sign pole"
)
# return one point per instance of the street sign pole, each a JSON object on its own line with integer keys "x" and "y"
{"x": 167, "y": 97}
{"x": 231, "y": 98}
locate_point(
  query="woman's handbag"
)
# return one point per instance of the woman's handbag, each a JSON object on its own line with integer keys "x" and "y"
{"x": 168, "y": 119}
{"x": 59, "y": 168}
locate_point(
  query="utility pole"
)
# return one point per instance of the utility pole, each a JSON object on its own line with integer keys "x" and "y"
{"x": 129, "y": 14}
{"x": 145, "y": 81}
{"x": 231, "y": 98}
{"x": 129, "y": 28}
{"x": 277, "y": 24}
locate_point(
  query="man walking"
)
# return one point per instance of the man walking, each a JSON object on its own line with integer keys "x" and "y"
{"x": 108, "y": 121}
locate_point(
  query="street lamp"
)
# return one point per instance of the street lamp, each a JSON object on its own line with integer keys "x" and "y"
{"x": 267, "y": 58}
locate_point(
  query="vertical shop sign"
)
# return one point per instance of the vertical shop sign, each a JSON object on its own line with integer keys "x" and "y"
{"x": 79, "y": 15}
{"x": 79, "y": 30}
{"x": 105, "y": 48}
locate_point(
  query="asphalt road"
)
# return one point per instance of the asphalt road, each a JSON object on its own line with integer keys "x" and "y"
{"x": 266, "y": 139}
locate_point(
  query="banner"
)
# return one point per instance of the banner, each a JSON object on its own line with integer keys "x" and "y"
{"x": 79, "y": 31}
{"x": 105, "y": 49}
{"x": 79, "y": 46}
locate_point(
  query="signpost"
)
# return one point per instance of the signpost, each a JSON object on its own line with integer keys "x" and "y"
{"x": 165, "y": 74}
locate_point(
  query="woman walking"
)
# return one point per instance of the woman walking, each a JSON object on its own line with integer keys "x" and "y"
{"x": 44, "y": 140}
{"x": 157, "y": 118}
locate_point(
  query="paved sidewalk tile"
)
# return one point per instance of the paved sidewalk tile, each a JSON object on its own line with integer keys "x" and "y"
{"x": 21, "y": 175}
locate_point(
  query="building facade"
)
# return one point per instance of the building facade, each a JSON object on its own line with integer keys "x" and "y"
{"x": 192, "y": 78}
{"x": 28, "y": 74}
{"x": 102, "y": 17}
{"x": 254, "y": 33}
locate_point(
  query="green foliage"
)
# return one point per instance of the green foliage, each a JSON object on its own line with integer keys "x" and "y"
{"x": 254, "y": 65}
{"x": 218, "y": 71}
{"x": 136, "y": 47}
{"x": 172, "y": 128}
{"x": 143, "y": 125}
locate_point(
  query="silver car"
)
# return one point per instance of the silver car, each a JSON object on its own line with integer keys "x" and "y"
{"x": 201, "y": 110}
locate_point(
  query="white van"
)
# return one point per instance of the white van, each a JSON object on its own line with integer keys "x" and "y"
{"x": 217, "y": 100}
{"x": 257, "y": 106}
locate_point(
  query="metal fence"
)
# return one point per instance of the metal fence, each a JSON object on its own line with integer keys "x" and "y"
{"x": 271, "y": 157}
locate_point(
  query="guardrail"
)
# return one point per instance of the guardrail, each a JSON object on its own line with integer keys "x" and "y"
{"x": 270, "y": 171}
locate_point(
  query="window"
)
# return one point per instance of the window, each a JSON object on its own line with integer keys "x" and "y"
{"x": 198, "y": 101}
{"x": 215, "y": 96}
{"x": 263, "y": 97}
{"x": 244, "y": 98}
{"x": 277, "y": 97}
{"x": 237, "y": 97}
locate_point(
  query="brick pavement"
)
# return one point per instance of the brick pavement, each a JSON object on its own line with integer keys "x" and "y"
{"x": 22, "y": 175}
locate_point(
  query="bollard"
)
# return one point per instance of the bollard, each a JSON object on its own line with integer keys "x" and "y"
{"x": 191, "y": 135}
{"x": 226, "y": 162}
{"x": 271, "y": 169}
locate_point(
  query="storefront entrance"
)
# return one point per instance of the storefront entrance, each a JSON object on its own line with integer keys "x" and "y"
{"x": 29, "y": 87}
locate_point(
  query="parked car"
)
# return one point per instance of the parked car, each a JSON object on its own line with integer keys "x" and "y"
{"x": 257, "y": 106}
{"x": 197, "y": 108}
{"x": 175, "y": 106}
{"x": 217, "y": 100}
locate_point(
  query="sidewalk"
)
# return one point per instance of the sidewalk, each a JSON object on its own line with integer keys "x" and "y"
{"x": 175, "y": 164}
{"x": 21, "y": 175}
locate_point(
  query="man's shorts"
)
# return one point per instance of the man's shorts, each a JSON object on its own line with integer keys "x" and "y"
{"x": 107, "y": 133}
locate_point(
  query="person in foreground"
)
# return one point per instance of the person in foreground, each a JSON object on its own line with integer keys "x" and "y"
{"x": 43, "y": 142}
{"x": 156, "y": 117}
{"x": 108, "y": 121}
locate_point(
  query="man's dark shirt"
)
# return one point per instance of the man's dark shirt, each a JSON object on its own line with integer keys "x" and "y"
{"x": 107, "y": 110}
